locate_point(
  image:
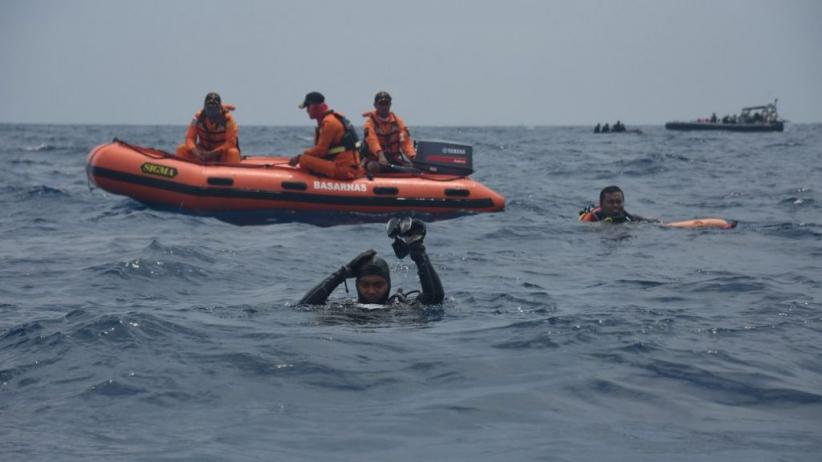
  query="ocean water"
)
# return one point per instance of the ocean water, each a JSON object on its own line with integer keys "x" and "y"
{"x": 131, "y": 334}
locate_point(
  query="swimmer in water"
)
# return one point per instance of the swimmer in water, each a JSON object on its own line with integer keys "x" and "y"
{"x": 611, "y": 208}
{"x": 373, "y": 277}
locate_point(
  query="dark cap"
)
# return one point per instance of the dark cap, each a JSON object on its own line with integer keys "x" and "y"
{"x": 314, "y": 97}
{"x": 213, "y": 99}
{"x": 382, "y": 97}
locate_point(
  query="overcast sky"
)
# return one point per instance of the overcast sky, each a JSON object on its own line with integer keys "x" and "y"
{"x": 504, "y": 62}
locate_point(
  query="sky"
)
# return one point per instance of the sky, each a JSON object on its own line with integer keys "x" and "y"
{"x": 446, "y": 62}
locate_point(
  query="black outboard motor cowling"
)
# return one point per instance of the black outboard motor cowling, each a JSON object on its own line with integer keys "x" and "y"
{"x": 444, "y": 157}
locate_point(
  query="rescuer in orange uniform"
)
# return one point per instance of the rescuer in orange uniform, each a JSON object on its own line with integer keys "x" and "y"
{"x": 212, "y": 133}
{"x": 386, "y": 136}
{"x": 335, "y": 152}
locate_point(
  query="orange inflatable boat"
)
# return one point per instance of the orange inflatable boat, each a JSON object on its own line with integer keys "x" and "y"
{"x": 269, "y": 184}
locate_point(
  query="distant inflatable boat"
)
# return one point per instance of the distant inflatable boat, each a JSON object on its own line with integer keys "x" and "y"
{"x": 634, "y": 131}
{"x": 269, "y": 184}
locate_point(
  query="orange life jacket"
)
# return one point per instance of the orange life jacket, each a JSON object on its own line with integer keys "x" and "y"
{"x": 392, "y": 136}
{"x": 590, "y": 214}
{"x": 389, "y": 133}
{"x": 210, "y": 134}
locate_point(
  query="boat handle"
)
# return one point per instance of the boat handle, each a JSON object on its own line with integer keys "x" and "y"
{"x": 220, "y": 181}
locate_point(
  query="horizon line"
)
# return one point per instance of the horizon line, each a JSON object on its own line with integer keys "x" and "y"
{"x": 311, "y": 125}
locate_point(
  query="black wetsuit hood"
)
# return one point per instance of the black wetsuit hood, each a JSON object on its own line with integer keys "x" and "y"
{"x": 375, "y": 266}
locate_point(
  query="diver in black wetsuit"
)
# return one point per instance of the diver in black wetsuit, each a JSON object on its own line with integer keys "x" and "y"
{"x": 374, "y": 278}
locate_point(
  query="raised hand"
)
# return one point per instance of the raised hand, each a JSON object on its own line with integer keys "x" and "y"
{"x": 353, "y": 267}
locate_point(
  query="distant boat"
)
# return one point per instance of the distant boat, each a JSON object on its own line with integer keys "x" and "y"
{"x": 618, "y": 127}
{"x": 635, "y": 131}
{"x": 750, "y": 119}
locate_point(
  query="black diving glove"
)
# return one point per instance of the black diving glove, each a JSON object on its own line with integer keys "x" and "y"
{"x": 353, "y": 267}
{"x": 408, "y": 234}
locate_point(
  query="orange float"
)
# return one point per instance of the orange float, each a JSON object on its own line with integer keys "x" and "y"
{"x": 720, "y": 223}
{"x": 269, "y": 184}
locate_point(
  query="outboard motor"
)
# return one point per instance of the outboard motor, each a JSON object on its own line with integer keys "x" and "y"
{"x": 444, "y": 157}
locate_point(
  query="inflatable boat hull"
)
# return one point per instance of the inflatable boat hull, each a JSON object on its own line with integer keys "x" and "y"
{"x": 269, "y": 184}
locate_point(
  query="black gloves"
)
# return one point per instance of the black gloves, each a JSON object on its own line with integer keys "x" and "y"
{"x": 353, "y": 267}
{"x": 408, "y": 234}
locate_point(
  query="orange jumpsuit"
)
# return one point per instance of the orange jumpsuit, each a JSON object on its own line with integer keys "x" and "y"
{"x": 329, "y": 157}
{"x": 209, "y": 136}
{"x": 390, "y": 136}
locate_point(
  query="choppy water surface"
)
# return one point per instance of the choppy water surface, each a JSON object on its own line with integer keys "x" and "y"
{"x": 128, "y": 333}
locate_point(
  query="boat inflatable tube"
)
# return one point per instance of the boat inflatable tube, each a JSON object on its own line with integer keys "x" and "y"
{"x": 264, "y": 184}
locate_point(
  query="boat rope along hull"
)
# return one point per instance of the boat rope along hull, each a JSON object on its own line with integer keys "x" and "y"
{"x": 264, "y": 183}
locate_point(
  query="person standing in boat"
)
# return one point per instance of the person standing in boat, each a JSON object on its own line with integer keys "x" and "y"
{"x": 387, "y": 138}
{"x": 212, "y": 135}
{"x": 373, "y": 277}
{"x": 611, "y": 208}
{"x": 335, "y": 152}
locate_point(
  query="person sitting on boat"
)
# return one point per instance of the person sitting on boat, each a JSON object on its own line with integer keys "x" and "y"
{"x": 713, "y": 118}
{"x": 606, "y": 128}
{"x": 335, "y": 153}
{"x": 387, "y": 138}
{"x": 373, "y": 277}
{"x": 598, "y": 128}
{"x": 212, "y": 133}
{"x": 611, "y": 208}
{"x": 618, "y": 127}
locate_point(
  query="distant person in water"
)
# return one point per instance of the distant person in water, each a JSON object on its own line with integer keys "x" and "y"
{"x": 373, "y": 278}
{"x": 212, "y": 135}
{"x": 611, "y": 208}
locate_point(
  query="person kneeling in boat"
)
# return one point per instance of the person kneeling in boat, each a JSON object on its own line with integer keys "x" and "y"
{"x": 212, "y": 134}
{"x": 373, "y": 278}
{"x": 335, "y": 152}
{"x": 611, "y": 208}
{"x": 387, "y": 138}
